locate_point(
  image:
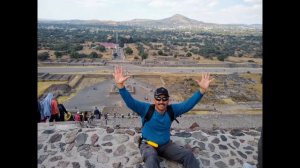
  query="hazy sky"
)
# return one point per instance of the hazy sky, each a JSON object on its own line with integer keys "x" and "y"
{"x": 213, "y": 11}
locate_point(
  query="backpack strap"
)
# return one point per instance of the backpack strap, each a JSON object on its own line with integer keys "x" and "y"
{"x": 171, "y": 114}
{"x": 149, "y": 114}
{"x": 151, "y": 111}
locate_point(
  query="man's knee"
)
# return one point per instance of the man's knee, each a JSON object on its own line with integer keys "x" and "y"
{"x": 190, "y": 160}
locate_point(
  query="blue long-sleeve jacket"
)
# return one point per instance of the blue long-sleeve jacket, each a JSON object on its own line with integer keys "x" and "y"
{"x": 46, "y": 106}
{"x": 158, "y": 128}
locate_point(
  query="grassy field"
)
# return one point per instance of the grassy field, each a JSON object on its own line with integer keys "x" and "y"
{"x": 86, "y": 82}
{"x": 42, "y": 86}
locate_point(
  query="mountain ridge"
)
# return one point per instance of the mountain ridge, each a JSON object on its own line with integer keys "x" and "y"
{"x": 174, "y": 22}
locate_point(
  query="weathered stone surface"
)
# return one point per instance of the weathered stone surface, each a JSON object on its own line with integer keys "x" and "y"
{"x": 223, "y": 147}
{"x": 248, "y": 148}
{"x": 220, "y": 164}
{"x": 199, "y": 136}
{"x": 231, "y": 162}
{"x": 107, "y": 144}
{"x": 103, "y": 150}
{"x": 183, "y": 134}
{"x": 201, "y": 145}
{"x": 122, "y": 138}
{"x": 63, "y": 164}
{"x": 94, "y": 139}
{"x": 132, "y": 145}
{"x": 70, "y": 137}
{"x": 230, "y": 146}
{"x": 204, "y": 153}
{"x": 216, "y": 156}
{"x": 86, "y": 154}
{"x": 40, "y": 146}
{"x": 211, "y": 147}
{"x": 239, "y": 160}
{"x": 232, "y": 153}
{"x": 55, "y": 138}
{"x": 252, "y": 133}
{"x": 117, "y": 165}
{"x": 223, "y": 138}
{"x": 109, "y": 130}
{"x": 85, "y": 147}
{"x": 119, "y": 131}
{"x": 248, "y": 152}
{"x": 108, "y": 150}
{"x": 236, "y": 132}
{"x": 102, "y": 158}
{"x": 42, "y": 158}
{"x": 216, "y": 140}
{"x": 242, "y": 154}
{"x": 48, "y": 131}
{"x": 224, "y": 155}
{"x": 62, "y": 146}
{"x": 75, "y": 165}
{"x": 108, "y": 138}
{"x": 120, "y": 151}
{"x": 88, "y": 164}
{"x": 130, "y": 132}
{"x": 136, "y": 160}
{"x": 42, "y": 138}
{"x": 133, "y": 153}
{"x": 236, "y": 144}
{"x": 55, "y": 158}
{"x": 70, "y": 147}
{"x": 205, "y": 162}
{"x": 194, "y": 125}
{"x": 80, "y": 139}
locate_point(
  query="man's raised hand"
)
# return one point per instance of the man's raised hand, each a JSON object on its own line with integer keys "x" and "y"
{"x": 204, "y": 83}
{"x": 119, "y": 76}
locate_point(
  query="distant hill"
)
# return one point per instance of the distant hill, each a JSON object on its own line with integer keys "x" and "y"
{"x": 176, "y": 21}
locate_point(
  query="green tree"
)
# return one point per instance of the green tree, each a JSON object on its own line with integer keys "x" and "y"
{"x": 101, "y": 48}
{"x": 43, "y": 56}
{"x": 58, "y": 54}
{"x": 221, "y": 57}
{"x": 160, "y": 52}
{"x": 144, "y": 56}
{"x": 188, "y": 54}
{"x": 93, "y": 55}
{"x": 128, "y": 50}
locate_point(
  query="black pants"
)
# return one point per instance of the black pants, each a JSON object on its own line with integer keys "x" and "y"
{"x": 54, "y": 117}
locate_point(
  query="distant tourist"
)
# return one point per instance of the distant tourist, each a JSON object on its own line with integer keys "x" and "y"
{"x": 97, "y": 113}
{"x": 62, "y": 112}
{"x": 38, "y": 111}
{"x": 85, "y": 117}
{"x": 54, "y": 111}
{"x": 46, "y": 107}
{"x": 156, "y": 124}
{"x": 77, "y": 116}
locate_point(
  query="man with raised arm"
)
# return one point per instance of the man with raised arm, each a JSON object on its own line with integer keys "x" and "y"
{"x": 156, "y": 128}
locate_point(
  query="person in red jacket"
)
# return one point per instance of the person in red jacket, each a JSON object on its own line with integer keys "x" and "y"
{"x": 54, "y": 110}
{"x": 77, "y": 116}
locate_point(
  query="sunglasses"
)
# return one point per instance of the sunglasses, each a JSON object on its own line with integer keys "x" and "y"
{"x": 161, "y": 98}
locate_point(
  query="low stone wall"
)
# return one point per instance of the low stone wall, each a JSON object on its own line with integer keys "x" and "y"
{"x": 87, "y": 145}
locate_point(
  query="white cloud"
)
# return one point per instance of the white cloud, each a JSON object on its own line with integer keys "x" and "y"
{"x": 242, "y": 14}
{"x": 213, "y": 11}
{"x": 254, "y": 1}
{"x": 92, "y": 3}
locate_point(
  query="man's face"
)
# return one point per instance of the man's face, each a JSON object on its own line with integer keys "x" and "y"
{"x": 161, "y": 102}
